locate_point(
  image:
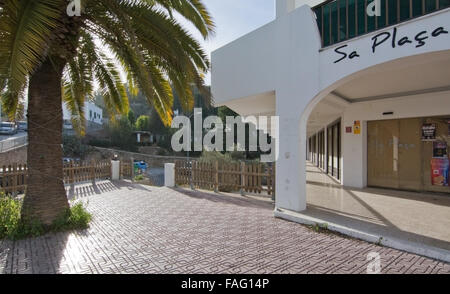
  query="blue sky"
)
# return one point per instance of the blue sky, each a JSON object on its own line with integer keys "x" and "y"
{"x": 235, "y": 18}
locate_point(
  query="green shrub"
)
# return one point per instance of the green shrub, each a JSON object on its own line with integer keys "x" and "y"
{"x": 9, "y": 216}
{"x": 13, "y": 227}
{"x": 100, "y": 143}
{"x": 11, "y": 224}
{"x": 75, "y": 218}
{"x": 143, "y": 123}
{"x": 73, "y": 146}
{"x": 122, "y": 135}
{"x": 139, "y": 178}
{"x": 212, "y": 157}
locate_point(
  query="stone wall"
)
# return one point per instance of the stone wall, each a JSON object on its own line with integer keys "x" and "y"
{"x": 18, "y": 155}
{"x": 152, "y": 160}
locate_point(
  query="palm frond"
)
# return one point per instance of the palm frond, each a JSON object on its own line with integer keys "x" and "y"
{"x": 25, "y": 28}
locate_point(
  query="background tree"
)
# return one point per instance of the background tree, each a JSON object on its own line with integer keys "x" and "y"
{"x": 143, "y": 123}
{"x": 58, "y": 57}
{"x": 122, "y": 134}
{"x": 131, "y": 117}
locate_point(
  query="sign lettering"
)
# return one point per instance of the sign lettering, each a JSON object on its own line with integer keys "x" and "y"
{"x": 392, "y": 37}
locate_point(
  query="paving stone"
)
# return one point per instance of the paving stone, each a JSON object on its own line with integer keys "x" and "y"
{"x": 158, "y": 230}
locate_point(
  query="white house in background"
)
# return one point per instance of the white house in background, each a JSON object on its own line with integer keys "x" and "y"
{"x": 93, "y": 114}
{"x": 365, "y": 98}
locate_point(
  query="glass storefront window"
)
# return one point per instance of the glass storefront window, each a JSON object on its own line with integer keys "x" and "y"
{"x": 361, "y": 16}
{"x": 444, "y": 3}
{"x": 342, "y": 20}
{"x": 326, "y": 25}
{"x": 318, "y": 13}
{"x": 416, "y": 8}
{"x": 370, "y": 19}
{"x": 381, "y": 20}
{"x": 334, "y": 22}
{"x": 393, "y": 11}
{"x": 409, "y": 154}
{"x": 404, "y": 10}
{"x": 430, "y": 6}
{"x": 351, "y": 18}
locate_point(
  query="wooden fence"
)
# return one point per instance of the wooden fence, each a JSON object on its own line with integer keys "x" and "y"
{"x": 227, "y": 177}
{"x": 126, "y": 170}
{"x": 13, "y": 178}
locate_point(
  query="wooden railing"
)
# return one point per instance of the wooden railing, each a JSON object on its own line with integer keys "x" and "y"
{"x": 228, "y": 177}
{"x": 86, "y": 171}
{"x": 13, "y": 178}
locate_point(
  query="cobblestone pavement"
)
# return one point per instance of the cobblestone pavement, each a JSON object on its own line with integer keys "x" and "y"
{"x": 158, "y": 230}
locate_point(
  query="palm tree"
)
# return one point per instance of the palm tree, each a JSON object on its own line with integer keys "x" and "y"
{"x": 53, "y": 58}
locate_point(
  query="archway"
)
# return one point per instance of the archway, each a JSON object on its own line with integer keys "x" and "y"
{"x": 410, "y": 92}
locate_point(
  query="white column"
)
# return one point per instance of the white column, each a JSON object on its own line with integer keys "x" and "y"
{"x": 354, "y": 153}
{"x": 169, "y": 175}
{"x": 115, "y": 170}
{"x": 284, "y": 6}
{"x": 291, "y": 170}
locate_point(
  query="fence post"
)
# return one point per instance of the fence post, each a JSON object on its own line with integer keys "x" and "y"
{"x": 169, "y": 175}
{"x": 14, "y": 179}
{"x": 132, "y": 170}
{"x": 273, "y": 179}
{"x": 216, "y": 177}
{"x": 242, "y": 178}
{"x": 71, "y": 173}
{"x": 93, "y": 171}
{"x": 192, "y": 175}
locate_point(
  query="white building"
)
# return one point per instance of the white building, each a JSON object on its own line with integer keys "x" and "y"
{"x": 93, "y": 114}
{"x": 356, "y": 94}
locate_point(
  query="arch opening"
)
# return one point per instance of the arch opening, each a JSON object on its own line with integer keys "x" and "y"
{"x": 367, "y": 155}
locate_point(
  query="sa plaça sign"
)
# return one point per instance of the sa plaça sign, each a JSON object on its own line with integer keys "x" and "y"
{"x": 393, "y": 39}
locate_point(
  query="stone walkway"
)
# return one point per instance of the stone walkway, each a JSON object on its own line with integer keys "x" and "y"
{"x": 158, "y": 230}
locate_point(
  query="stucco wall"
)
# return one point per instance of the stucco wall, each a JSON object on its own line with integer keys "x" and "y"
{"x": 286, "y": 57}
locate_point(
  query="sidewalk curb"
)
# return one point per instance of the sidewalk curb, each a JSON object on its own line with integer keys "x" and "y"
{"x": 399, "y": 244}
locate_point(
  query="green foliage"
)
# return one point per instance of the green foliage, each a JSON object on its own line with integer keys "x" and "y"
{"x": 100, "y": 143}
{"x": 122, "y": 136}
{"x": 139, "y": 178}
{"x": 229, "y": 157}
{"x": 9, "y": 216}
{"x": 320, "y": 228}
{"x": 13, "y": 227}
{"x": 223, "y": 112}
{"x": 131, "y": 117}
{"x": 143, "y": 123}
{"x": 74, "y": 147}
{"x": 75, "y": 218}
{"x": 150, "y": 45}
{"x": 11, "y": 224}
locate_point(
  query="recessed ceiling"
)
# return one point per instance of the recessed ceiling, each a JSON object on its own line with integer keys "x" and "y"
{"x": 404, "y": 76}
{"x": 416, "y": 74}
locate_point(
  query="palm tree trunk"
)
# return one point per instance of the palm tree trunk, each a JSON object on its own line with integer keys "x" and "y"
{"x": 45, "y": 197}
